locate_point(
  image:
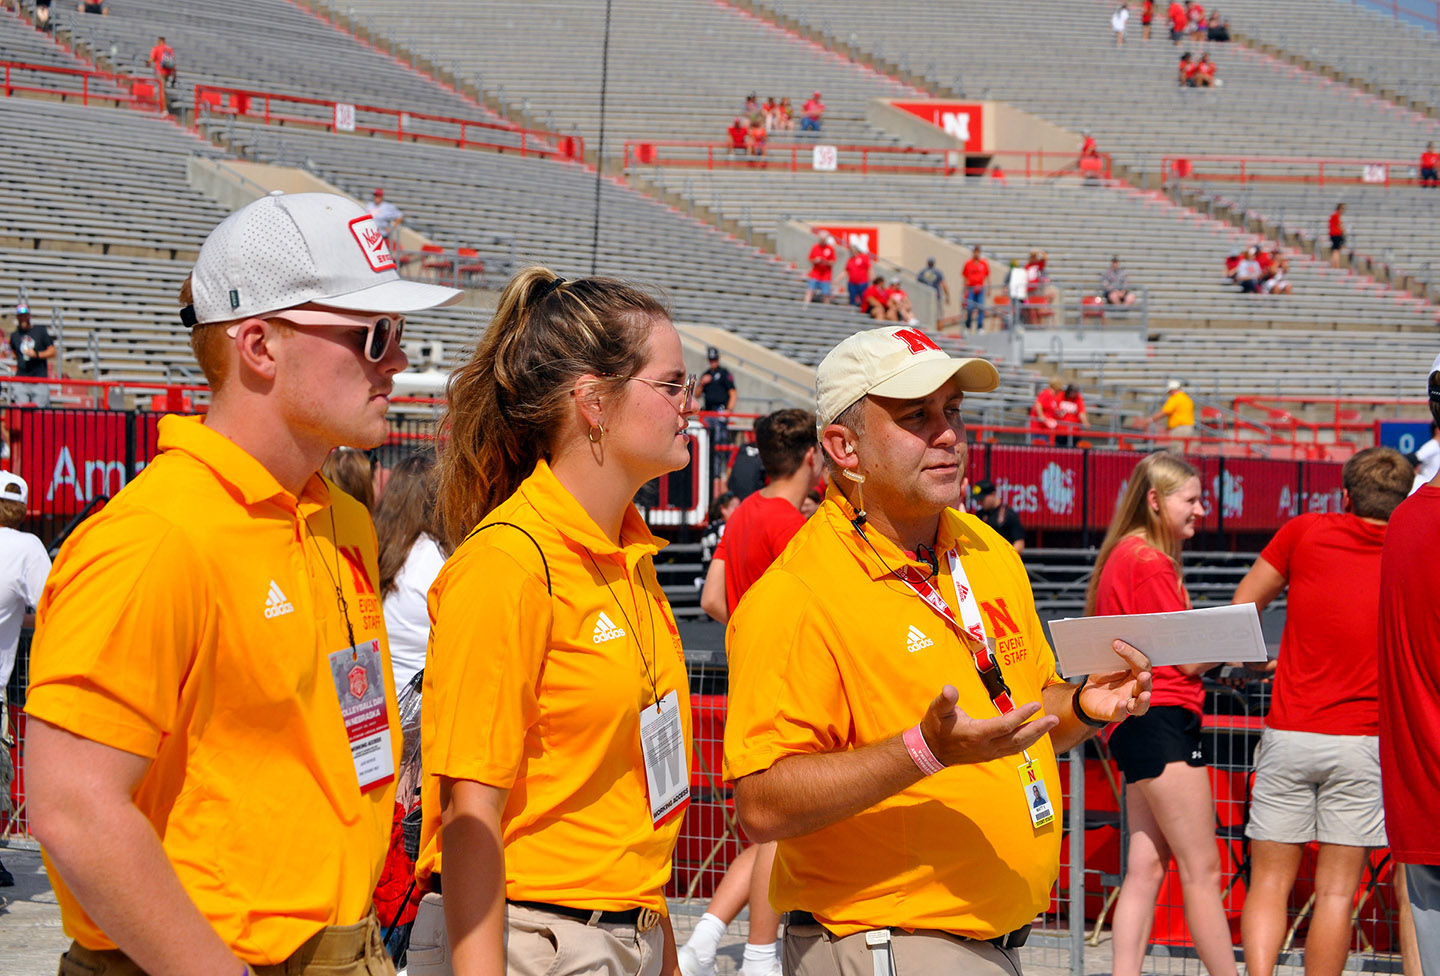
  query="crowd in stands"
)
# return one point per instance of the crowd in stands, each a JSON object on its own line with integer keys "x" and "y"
{"x": 1259, "y": 269}
{"x": 1189, "y": 22}
{"x": 1196, "y": 74}
{"x": 1058, "y": 414}
{"x": 750, "y": 129}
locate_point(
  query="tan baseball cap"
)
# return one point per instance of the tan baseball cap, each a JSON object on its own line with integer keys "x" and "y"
{"x": 899, "y": 361}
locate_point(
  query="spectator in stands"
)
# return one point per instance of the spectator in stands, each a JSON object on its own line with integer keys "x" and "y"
{"x": 1185, "y": 71}
{"x": 1017, "y": 286}
{"x": 1178, "y": 411}
{"x": 1115, "y": 286}
{"x": 349, "y": 470}
{"x": 410, "y": 558}
{"x": 1232, "y": 263}
{"x": 976, "y": 274}
{"x": 42, "y": 16}
{"x": 388, "y": 217}
{"x": 752, "y": 105}
{"x": 1205, "y": 72}
{"x": 24, "y": 564}
{"x": 718, "y": 393}
{"x": 1179, "y": 21}
{"x": 787, "y": 116}
{"x": 162, "y": 60}
{"x": 999, "y": 516}
{"x": 1147, "y": 15}
{"x": 738, "y": 132}
{"x": 899, "y": 302}
{"x": 812, "y": 113}
{"x": 1247, "y": 272}
{"x": 1088, "y": 147}
{"x": 857, "y": 273}
{"x": 756, "y": 137}
{"x": 932, "y": 276}
{"x": 101, "y": 7}
{"x": 1409, "y": 708}
{"x": 1169, "y": 804}
{"x": 943, "y": 870}
{"x": 1195, "y": 14}
{"x": 1275, "y": 274}
{"x": 1430, "y": 166}
{"x": 1071, "y": 415}
{"x": 770, "y": 112}
{"x": 1216, "y": 29}
{"x": 574, "y": 398}
{"x": 1426, "y": 459}
{"x": 875, "y": 301}
{"x": 1040, "y": 294}
{"x": 822, "y": 268}
{"x": 33, "y": 350}
{"x": 1045, "y": 412}
{"x": 1118, "y": 20}
{"x": 1317, "y": 771}
{"x": 182, "y": 698}
{"x": 1337, "y": 234}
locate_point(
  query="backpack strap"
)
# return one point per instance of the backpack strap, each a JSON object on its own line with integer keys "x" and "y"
{"x": 543, "y": 561}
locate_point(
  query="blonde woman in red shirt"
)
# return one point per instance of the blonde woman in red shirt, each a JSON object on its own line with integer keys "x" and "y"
{"x": 1168, "y": 802}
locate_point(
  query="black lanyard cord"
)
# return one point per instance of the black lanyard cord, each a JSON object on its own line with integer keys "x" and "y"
{"x": 649, "y": 671}
{"x": 335, "y": 576}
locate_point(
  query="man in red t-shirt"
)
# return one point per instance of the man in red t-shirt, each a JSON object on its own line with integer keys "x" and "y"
{"x": 737, "y": 132}
{"x": 761, "y": 527}
{"x": 1179, "y": 20}
{"x": 1410, "y": 698}
{"x": 812, "y": 113}
{"x": 1045, "y": 413}
{"x": 875, "y": 300}
{"x": 1317, "y": 772}
{"x": 1337, "y": 234}
{"x": 162, "y": 59}
{"x": 1430, "y": 166}
{"x": 857, "y": 273}
{"x": 822, "y": 264}
{"x": 976, "y": 273}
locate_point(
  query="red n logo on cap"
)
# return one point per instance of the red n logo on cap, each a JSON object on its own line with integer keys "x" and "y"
{"x": 916, "y": 340}
{"x": 372, "y": 243}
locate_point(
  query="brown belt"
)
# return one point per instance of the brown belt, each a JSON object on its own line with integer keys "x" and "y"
{"x": 332, "y": 946}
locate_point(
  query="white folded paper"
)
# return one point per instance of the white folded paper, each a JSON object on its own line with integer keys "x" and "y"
{"x": 1085, "y": 645}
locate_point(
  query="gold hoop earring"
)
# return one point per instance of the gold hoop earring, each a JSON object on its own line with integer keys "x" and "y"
{"x": 596, "y": 433}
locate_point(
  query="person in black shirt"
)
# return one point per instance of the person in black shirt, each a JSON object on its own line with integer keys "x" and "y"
{"x": 717, "y": 389}
{"x": 747, "y": 474}
{"x": 998, "y": 516}
{"x": 33, "y": 349}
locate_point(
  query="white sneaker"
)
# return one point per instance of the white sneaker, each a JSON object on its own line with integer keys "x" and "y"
{"x": 690, "y": 964}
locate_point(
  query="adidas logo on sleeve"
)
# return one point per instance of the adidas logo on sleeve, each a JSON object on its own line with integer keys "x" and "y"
{"x": 916, "y": 640}
{"x": 276, "y": 603}
{"x": 605, "y": 629}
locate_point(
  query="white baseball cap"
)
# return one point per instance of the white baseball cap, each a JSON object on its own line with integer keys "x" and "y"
{"x": 899, "y": 361}
{"x": 289, "y": 249}
{"x": 13, "y": 488}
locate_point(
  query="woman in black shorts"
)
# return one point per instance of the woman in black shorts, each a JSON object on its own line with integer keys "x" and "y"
{"x": 1168, "y": 801}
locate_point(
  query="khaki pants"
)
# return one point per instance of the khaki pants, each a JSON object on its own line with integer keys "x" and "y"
{"x": 812, "y": 950}
{"x": 541, "y": 944}
{"x": 339, "y": 950}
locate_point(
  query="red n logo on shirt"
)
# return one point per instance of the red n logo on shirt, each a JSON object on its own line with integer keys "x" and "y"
{"x": 1001, "y": 622}
{"x": 361, "y": 576}
{"x": 916, "y": 340}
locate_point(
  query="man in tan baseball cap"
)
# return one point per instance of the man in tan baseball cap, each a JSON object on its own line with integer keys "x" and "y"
{"x": 893, "y": 610}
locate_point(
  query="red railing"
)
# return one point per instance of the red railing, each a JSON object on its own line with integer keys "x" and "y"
{"x": 46, "y": 79}
{"x": 1278, "y": 412}
{"x": 1425, "y": 13}
{"x": 101, "y": 393}
{"x": 271, "y": 108}
{"x": 1141, "y": 439}
{"x": 806, "y": 157}
{"x": 1292, "y": 169}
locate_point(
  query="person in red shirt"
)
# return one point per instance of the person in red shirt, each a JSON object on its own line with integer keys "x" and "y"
{"x": 822, "y": 264}
{"x": 1178, "y": 21}
{"x": 1317, "y": 772}
{"x": 1185, "y": 71}
{"x": 1409, "y": 701}
{"x": 1337, "y": 234}
{"x": 976, "y": 273}
{"x": 1045, "y": 413}
{"x": 737, "y": 133}
{"x": 1196, "y": 15}
{"x": 1070, "y": 415}
{"x": 899, "y": 302}
{"x": 1147, "y": 14}
{"x": 162, "y": 59}
{"x": 857, "y": 273}
{"x": 755, "y": 138}
{"x": 1204, "y": 72}
{"x": 875, "y": 301}
{"x": 755, "y": 535}
{"x": 1430, "y": 166}
{"x": 812, "y": 113}
{"x": 1168, "y": 801}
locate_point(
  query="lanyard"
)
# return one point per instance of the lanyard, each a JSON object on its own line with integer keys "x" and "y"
{"x": 644, "y": 661}
{"x": 340, "y": 602}
{"x": 970, "y": 625}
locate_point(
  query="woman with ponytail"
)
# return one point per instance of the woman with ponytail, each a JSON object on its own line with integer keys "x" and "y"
{"x": 555, "y": 678}
{"x": 1168, "y": 803}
